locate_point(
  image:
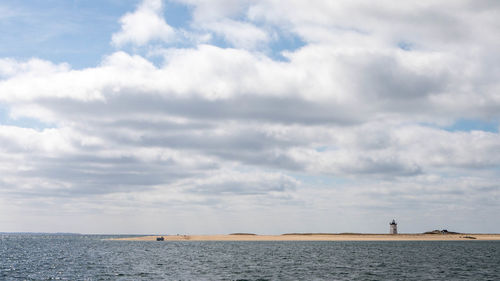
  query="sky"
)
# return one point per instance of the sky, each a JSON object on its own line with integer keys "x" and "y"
{"x": 204, "y": 117}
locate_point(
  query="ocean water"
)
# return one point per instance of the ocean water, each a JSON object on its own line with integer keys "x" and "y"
{"x": 91, "y": 257}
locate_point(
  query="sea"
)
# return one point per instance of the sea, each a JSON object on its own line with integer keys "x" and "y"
{"x": 93, "y": 257}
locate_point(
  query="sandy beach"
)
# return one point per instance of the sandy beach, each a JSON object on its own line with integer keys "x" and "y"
{"x": 319, "y": 237}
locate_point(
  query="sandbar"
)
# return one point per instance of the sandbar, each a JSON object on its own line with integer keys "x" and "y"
{"x": 318, "y": 237}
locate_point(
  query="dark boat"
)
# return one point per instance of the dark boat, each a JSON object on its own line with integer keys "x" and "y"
{"x": 160, "y": 238}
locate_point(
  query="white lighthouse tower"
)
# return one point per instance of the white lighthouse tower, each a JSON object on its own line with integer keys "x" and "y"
{"x": 393, "y": 227}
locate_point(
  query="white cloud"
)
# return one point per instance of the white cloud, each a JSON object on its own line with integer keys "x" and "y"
{"x": 33, "y": 67}
{"x": 223, "y": 18}
{"x": 239, "y": 34}
{"x": 144, "y": 25}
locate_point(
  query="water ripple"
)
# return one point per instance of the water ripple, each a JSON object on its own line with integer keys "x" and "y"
{"x": 90, "y": 257}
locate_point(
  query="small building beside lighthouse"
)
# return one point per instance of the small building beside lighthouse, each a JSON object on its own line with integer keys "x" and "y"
{"x": 393, "y": 227}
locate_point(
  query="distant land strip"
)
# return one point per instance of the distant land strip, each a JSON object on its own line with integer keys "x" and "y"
{"x": 318, "y": 237}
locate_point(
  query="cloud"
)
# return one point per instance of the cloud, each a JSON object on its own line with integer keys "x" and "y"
{"x": 33, "y": 67}
{"x": 238, "y": 183}
{"x": 218, "y": 9}
{"x": 239, "y": 34}
{"x": 351, "y": 126}
{"x": 145, "y": 24}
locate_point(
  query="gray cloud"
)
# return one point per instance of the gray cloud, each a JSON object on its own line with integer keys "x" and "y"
{"x": 251, "y": 108}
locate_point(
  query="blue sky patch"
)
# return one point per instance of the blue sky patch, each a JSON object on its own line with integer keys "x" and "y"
{"x": 177, "y": 15}
{"x": 405, "y": 45}
{"x": 285, "y": 42}
{"x": 467, "y": 125}
{"x": 77, "y": 32}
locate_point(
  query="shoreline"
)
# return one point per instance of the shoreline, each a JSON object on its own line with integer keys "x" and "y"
{"x": 319, "y": 237}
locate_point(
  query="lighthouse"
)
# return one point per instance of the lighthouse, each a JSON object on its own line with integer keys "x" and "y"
{"x": 393, "y": 227}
